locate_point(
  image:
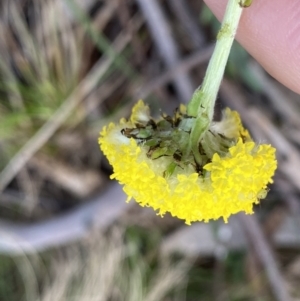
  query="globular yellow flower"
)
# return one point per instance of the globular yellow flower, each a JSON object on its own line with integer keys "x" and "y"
{"x": 154, "y": 163}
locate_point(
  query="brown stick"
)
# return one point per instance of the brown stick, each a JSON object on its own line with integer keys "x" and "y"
{"x": 166, "y": 45}
{"x": 186, "y": 64}
{"x": 255, "y": 235}
{"x": 98, "y": 213}
{"x": 186, "y": 18}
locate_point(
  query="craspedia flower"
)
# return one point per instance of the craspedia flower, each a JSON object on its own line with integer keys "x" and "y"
{"x": 154, "y": 163}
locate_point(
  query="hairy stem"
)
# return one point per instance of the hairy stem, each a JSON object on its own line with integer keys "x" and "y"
{"x": 203, "y": 101}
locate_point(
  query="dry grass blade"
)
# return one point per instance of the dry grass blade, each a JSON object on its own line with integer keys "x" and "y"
{"x": 100, "y": 268}
{"x": 27, "y": 42}
{"x": 165, "y": 281}
{"x": 7, "y": 74}
{"x": 62, "y": 113}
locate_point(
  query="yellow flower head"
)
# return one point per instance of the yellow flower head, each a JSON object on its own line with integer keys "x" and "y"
{"x": 153, "y": 161}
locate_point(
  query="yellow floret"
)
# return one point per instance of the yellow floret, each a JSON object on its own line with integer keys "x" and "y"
{"x": 140, "y": 112}
{"x": 231, "y": 126}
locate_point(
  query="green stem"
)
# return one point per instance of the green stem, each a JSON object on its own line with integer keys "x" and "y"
{"x": 203, "y": 101}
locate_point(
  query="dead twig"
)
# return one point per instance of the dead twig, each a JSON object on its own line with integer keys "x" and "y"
{"x": 278, "y": 99}
{"x": 185, "y": 65}
{"x": 80, "y": 183}
{"x": 255, "y": 236}
{"x": 123, "y": 11}
{"x": 287, "y": 191}
{"x": 186, "y": 18}
{"x": 101, "y": 20}
{"x": 99, "y": 213}
{"x": 166, "y": 45}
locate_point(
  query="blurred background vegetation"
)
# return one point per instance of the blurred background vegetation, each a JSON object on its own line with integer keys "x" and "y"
{"x": 69, "y": 67}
